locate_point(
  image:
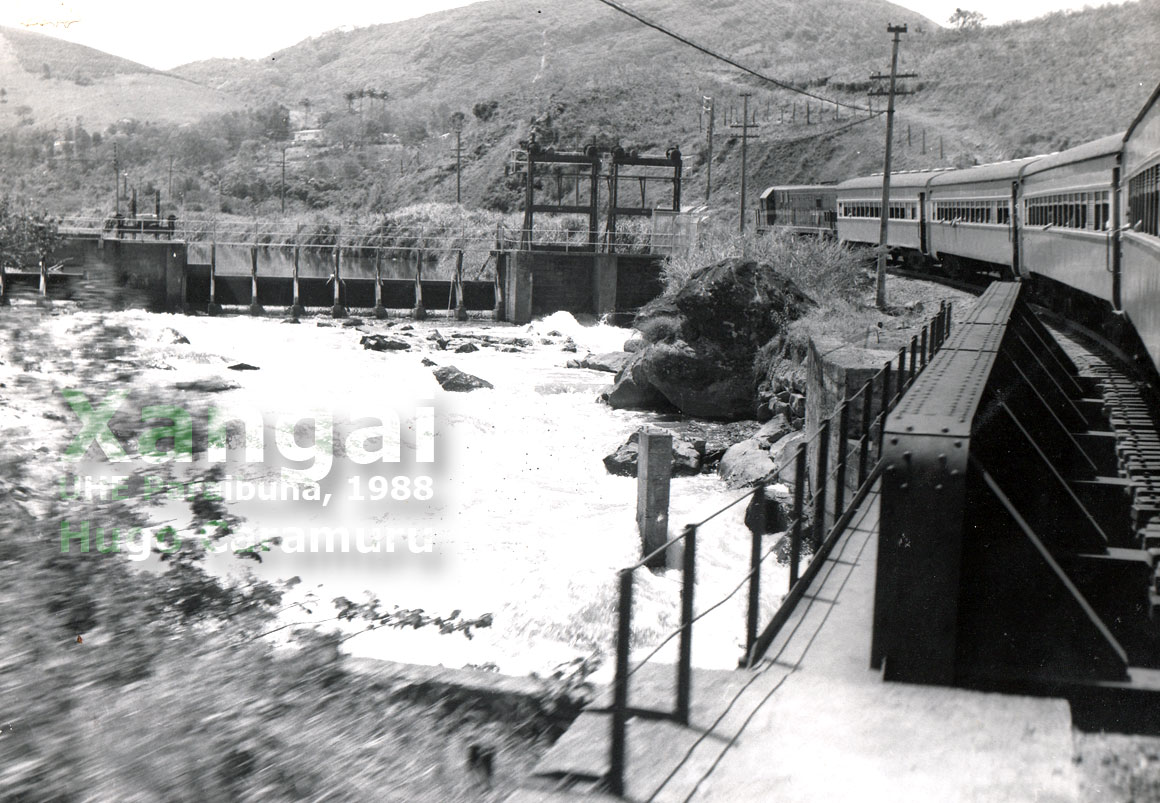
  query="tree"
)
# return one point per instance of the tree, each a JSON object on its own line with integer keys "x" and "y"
{"x": 964, "y": 20}
{"x": 25, "y": 239}
{"x": 485, "y": 110}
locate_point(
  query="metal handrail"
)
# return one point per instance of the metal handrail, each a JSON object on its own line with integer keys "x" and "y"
{"x": 933, "y": 336}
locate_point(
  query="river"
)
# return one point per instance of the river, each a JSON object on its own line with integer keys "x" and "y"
{"x": 522, "y": 522}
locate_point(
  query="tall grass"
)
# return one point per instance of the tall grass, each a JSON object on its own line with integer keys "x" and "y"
{"x": 826, "y": 270}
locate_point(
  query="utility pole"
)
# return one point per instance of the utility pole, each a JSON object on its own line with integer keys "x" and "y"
{"x": 170, "y": 196}
{"x": 283, "y": 192}
{"x": 457, "y": 125}
{"x": 707, "y": 106}
{"x": 884, "y": 223}
{"x": 745, "y": 126}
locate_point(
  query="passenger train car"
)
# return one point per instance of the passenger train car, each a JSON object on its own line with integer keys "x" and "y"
{"x": 1080, "y": 225}
{"x": 799, "y": 209}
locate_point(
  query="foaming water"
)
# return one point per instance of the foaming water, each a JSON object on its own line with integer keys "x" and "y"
{"x": 524, "y": 523}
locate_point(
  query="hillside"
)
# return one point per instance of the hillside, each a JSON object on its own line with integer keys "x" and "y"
{"x": 577, "y": 73}
{"x": 49, "y": 82}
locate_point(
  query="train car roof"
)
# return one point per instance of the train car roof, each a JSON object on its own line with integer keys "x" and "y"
{"x": 909, "y": 178}
{"x": 1152, "y": 100}
{"x": 989, "y": 172}
{"x": 799, "y": 188}
{"x": 1104, "y": 146}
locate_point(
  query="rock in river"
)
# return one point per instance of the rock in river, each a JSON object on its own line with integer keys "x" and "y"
{"x": 209, "y": 384}
{"x": 686, "y": 458}
{"x": 612, "y": 361}
{"x": 451, "y": 378}
{"x": 381, "y": 343}
{"x": 745, "y": 463}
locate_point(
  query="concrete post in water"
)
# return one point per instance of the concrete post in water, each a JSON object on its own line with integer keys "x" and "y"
{"x": 419, "y": 313}
{"x": 255, "y": 307}
{"x": 296, "y": 308}
{"x": 3, "y": 286}
{"x": 460, "y": 303}
{"x": 42, "y": 295}
{"x": 501, "y": 267}
{"x": 338, "y": 310}
{"x": 654, "y": 466}
{"x": 380, "y": 310}
{"x": 213, "y": 308}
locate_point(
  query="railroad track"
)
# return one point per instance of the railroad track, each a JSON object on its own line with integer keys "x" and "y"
{"x": 1131, "y": 407}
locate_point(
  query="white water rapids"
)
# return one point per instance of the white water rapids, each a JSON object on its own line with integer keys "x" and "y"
{"x": 527, "y": 524}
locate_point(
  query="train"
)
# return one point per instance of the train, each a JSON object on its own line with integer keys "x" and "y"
{"x": 1080, "y": 225}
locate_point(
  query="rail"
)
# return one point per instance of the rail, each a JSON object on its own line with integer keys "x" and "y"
{"x": 810, "y": 513}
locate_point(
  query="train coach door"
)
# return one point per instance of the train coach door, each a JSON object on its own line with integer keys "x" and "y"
{"x": 1013, "y": 229}
{"x": 922, "y": 243}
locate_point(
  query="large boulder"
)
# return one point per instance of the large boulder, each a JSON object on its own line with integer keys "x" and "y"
{"x": 686, "y": 457}
{"x": 700, "y": 382}
{"x": 745, "y": 463}
{"x": 703, "y": 340}
{"x": 452, "y": 379}
{"x": 734, "y": 303}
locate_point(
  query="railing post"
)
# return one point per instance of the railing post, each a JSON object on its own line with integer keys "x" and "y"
{"x": 756, "y": 530}
{"x": 901, "y": 372}
{"x": 821, "y": 479}
{"x": 840, "y": 477}
{"x": 885, "y": 405}
{"x": 913, "y": 359}
{"x": 795, "y": 538}
{"x": 924, "y": 355}
{"x": 620, "y": 686}
{"x": 950, "y": 306}
{"x": 685, "y": 662}
{"x": 864, "y": 450}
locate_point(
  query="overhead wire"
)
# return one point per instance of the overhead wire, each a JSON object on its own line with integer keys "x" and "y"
{"x": 721, "y": 57}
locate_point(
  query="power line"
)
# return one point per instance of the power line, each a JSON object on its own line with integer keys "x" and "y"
{"x": 720, "y": 57}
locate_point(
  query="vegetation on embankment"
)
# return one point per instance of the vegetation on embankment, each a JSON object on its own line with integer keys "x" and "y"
{"x": 729, "y": 336}
{"x": 386, "y": 99}
{"x": 160, "y": 680}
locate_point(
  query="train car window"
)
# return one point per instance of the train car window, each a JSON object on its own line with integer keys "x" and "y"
{"x": 1144, "y": 201}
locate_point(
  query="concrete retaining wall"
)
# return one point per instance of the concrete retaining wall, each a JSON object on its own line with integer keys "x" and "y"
{"x": 542, "y": 282}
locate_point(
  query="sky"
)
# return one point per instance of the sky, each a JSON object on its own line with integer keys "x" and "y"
{"x": 164, "y": 34}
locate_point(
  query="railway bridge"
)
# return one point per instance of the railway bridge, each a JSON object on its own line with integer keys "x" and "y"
{"x": 973, "y": 572}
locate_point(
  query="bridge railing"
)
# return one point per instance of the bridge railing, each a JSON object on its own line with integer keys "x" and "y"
{"x": 840, "y": 458}
{"x": 559, "y": 235}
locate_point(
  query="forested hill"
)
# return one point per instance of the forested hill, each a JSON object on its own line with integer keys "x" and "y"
{"x": 581, "y": 72}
